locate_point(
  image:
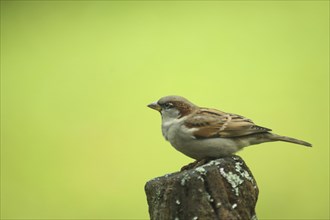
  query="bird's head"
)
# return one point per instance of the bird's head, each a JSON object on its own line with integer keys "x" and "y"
{"x": 173, "y": 107}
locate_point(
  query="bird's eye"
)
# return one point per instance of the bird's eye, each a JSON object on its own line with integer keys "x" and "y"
{"x": 168, "y": 105}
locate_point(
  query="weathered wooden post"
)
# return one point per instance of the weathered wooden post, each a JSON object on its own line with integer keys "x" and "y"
{"x": 221, "y": 189}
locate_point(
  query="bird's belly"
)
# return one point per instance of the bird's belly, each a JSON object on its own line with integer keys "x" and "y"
{"x": 205, "y": 148}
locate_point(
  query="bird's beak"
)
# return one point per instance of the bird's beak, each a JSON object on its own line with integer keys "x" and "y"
{"x": 155, "y": 106}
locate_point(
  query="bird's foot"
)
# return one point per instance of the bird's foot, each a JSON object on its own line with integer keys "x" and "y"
{"x": 195, "y": 164}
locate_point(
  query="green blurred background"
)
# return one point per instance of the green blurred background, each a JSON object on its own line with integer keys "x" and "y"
{"x": 77, "y": 140}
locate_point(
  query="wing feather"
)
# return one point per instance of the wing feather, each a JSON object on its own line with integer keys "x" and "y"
{"x": 212, "y": 123}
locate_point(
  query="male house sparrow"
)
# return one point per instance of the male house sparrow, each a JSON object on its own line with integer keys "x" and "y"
{"x": 203, "y": 133}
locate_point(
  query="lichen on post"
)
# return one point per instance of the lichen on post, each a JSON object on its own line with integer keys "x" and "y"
{"x": 221, "y": 189}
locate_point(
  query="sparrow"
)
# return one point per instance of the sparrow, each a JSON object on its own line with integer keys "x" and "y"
{"x": 204, "y": 133}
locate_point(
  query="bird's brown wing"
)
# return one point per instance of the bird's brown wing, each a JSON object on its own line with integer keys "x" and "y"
{"x": 212, "y": 123}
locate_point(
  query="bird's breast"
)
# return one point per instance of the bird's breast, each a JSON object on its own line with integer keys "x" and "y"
{"x": 172, "y": 128}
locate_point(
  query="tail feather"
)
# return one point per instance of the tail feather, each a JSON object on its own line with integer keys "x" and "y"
{"x": 276, "y": 137}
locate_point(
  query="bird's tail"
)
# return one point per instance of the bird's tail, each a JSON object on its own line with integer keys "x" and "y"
{"x": 276, "y": 137}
